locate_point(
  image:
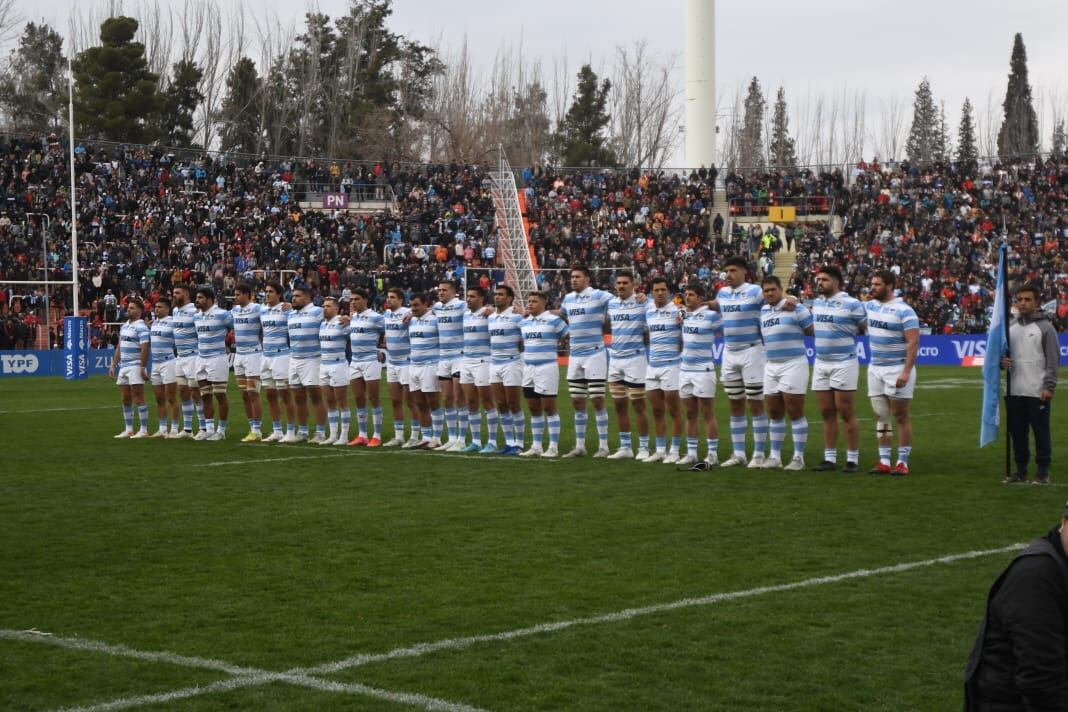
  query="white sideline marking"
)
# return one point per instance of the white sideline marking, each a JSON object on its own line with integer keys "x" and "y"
{"x": 250, "y": 677}
{"x": 57, "y": 410}
{"x": 349, "y": 453}
{"x": 276, "y": 459}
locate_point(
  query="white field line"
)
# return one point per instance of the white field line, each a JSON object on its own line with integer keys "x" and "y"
{"x": 629, "y": 613}
{"x": 249, "y": 677}
{"x": 225, "y": 463}
{"x": 59, "y": 410}
{"x": 352, "y": 452}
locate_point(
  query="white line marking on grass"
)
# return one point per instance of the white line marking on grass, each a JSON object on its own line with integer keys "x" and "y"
{"x": 123, "y": 703}
{"x": 275, "y": 459}
{"x": 58, "y": 410}
{"x": 629, "y": 613}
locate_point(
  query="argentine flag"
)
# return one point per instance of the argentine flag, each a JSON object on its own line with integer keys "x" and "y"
{"x": 996, "y": 347}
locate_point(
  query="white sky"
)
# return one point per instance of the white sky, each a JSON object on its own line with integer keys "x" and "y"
{"x": 819, "y": 46}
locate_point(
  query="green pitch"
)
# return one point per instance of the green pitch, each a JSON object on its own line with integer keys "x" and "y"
{"x": 192, "y": 575}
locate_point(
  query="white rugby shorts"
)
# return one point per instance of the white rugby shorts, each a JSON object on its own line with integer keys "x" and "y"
{"x": 164, "y": 374}
{"x": 662, "y": 378}
{"x": 835, "y": 375}
{"x": 397, "y": 374}
{"x": 698, "y": 384}
{"x": 544, "y": 378}
{"x": 274, "y": 371}
{"x": 334, "y": 375}
{"x": 303, "y": 372}
{"x": 628, "y": 369}
{"x": 789, "y": 377}
{"x": 882, "y": 381}
{"x": 185, "y": 370}
{"x": 448, "y": 367}
{"x": 248, "y": 365}
{"x": 510, "y": 374}
{"x": 130, "y": 376}
{"x": 746, "y": 365}
{"x": 370, "y": 370}
{"x": 423, "y": 378}
{"x": 213, "y": 369}
{"x": 475, "y": 371}
{"x": 591, "y": 368}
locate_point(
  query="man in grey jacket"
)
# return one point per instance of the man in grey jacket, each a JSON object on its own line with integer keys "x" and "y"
{"x": 1035, "y": 358}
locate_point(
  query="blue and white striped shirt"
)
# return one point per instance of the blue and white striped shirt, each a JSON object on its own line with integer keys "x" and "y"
{"x": 423, "y": 333}
{"x": 332, "y": 337}
{"x": 398, "y": 346}
{"x": 185, "y": 329}
{"x": 131, "y": 336}
{"x": 212, "y": 326}
{"x": 887, "y": 324}
{"x": 476, "y": 335}
{"x": 627, "y": 318}
{"x": 784, "y": 331}
{"x": 275, "y": 323}
{"x": 838, "y": 320}
{"x": 450, "y": 328}
{"x": 665, "y": 334}
{"x": 304, "y": 332}
{"x": 740, "y": 309}
{"x": 247, "y": 327}
{"x": 699, "y": 330}
{"x": 162, "y": 340}
{"x": 585, "y": 312}
{"x": 365, "y": 331}
{"x": 541, "y": 334}
{"x": 505, "y": 333}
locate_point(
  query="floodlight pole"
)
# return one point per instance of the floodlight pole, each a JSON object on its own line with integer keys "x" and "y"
{"x": 73, "y": 208}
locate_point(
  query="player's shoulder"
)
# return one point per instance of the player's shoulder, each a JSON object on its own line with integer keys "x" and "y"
{"x": 753, "y": 290}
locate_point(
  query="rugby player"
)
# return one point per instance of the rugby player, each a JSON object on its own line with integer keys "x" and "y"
{"x": 627, "y": 365}
{"x": 697, "y": 375}
{"x": 334, "y": 372}
{"x": 664, "y": 321}
{"x": 162, "y": 375}
{"x": 185, "y": 364}
{"x": 587, "y": 367}
{"x": 248, "y": 359}
{"x": 366, "y": 329}
{"x": 398, "y": 363}
{"x": 506, "y": 366}
{"x": 475, "y": 370}
{"x": 542, "y": 332}
{"x": 423, "y": 372}
{"x": 274, "y": 368}
{"x": 304, "y": 356}
{"x": 129, "y": 366}
{"x": 213, "y": 365}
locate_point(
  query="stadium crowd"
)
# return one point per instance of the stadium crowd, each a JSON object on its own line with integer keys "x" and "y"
{"x": 148, "y": 219}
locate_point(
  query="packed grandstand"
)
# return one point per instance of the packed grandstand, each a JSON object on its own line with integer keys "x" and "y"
{"x": 150, "y": 217}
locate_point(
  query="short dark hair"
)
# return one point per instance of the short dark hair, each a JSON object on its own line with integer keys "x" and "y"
{"x": 165, "y": 300}
{"x": 1028, "y": 287}
{"x": 736, "y": 261}
{"x": 396, "y": 290}
{"x": 135, "y": 302}
{"x": 659, "y": 280}
{"x": 507, "y": 290}
{"x": 183, "y": 287}
{"x": 243, "y": 288}
{"x": 477, "y": 290}
{"x": 626, "y": 274}
{"x": 832, "y": 271}
{"x": 452, "y": 283}
{"x": 696, "y": 289}
{"x": 422, "y": 297}
{"x": 540, "y": 295}
{"x": 303, "y": 288}
{"x": 771, "y": 279}
{"x": 331, "y": 299}
{"x": 276, "y": 287}
{"x": 579, "y": 267}
{"x": 362, "y": 293}
{"x": 888, "y": 277}
{"x": 207, "y": 292}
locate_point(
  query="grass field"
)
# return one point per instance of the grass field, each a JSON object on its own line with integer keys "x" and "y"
{"x": 203, "y": 576}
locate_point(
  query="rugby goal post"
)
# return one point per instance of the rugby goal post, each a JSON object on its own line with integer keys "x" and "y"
{"x": 513, "y": 243}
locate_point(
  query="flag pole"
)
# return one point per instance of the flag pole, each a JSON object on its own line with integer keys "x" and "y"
{"x": 1006, "y": 317}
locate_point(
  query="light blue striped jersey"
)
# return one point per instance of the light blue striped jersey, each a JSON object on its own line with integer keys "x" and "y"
{"x": 304, "y": 332}
{"x": 398, "y": 346}
{"x": 450, "y": 328}
{"x": 665, "y": 334}
{"x": 162, "y": 332}
{"x": 585, "y": 313}
{"x": 887, "y": 324}
{"x": 247, "y": 327}
{"x": 365, "y": 331}
{"x": 185, "y": 329}
{"x": 332, "y": 337}
{"x": 505, "y": 333}
{"x": 212, "y": 326}
{"x": 131, "y": 336}
{"x": 838, "y": 320}
{"x": 275, "y": 323}
{"x": 740, "y": 309}
{"x": 423, "y": 333}
{"x": 541, "y": 335}
{"x": 699, "y": 330}
{"x": 784, "y": 331}
{"x": 627, "y": 319}
{"x": 476, "y": 335}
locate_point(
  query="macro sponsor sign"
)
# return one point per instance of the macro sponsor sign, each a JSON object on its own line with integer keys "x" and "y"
{"x": 335, "y": 201}
{"x": 53, "y": 363}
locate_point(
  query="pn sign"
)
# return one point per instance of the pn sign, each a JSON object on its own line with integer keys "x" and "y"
{"x": 335, "y": 201}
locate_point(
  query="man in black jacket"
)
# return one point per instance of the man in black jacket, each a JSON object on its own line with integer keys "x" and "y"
{"x": 1020, "y": 658}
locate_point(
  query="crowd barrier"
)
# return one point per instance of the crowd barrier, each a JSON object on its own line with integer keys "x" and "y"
{"x": 934, "y": 351}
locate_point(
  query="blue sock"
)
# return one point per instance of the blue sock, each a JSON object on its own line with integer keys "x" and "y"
{"x": 711, "y": 448}
{"x": 760, "y": 433}
{"x": 691, "y": 446}
{"x": 778, "y": 435}
{"x": 537, "y": 429}
{"x": 903, "y": 452}
{"x": 799, "y": 430}
{"x": 506, "y": 425}
{"x": 437, "y": 419}
{"x": 491, "y": 427}
{"x": 187, "y": 414}
{"x": 624, "y": 441}
{"x": 661, "y": 443}
{"x": 738, "y": 435}
{"x": 142, "y": 416}
{"x": 554, "y": 429}
{"x": 581, "y": 417}
{"x": 376, "y": 420}
{"x": 127, "y": 417}
{"x": 675, "y": 443}
{"x": 276, "y": 426}
{"x": 601, "y": 418}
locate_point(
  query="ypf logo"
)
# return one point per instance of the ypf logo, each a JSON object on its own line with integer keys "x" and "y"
{"x": 18, "y": 363}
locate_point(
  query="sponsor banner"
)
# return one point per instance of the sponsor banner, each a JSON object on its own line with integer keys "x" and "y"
{"x": 75, "y": 345}
{"x": 335, "y": 201}
{"x": 53, "y": 363}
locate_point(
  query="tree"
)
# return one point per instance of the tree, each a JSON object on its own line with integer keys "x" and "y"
{"x": 180, "y": 102}
{"x": 966, "y": 148}
{"x": 783, "y": 154}
{"x": 240, "y": 113}
{"x": 581, "y": 138}
{"x": 1059, "y": 142}
{"x": 751, "y": 144}
{"x": 1018, "y": 136}
{"x": 115, "y": 93}
{"x": 526, "y": 137}
{"x": 34, "y": 90}
{"x": 645, "y": 110}
{"x": 924, "y": 139}
{"x": 943, "y": 142}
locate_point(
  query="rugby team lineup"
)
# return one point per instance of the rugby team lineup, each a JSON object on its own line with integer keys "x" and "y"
{"x": 460, "y": 366}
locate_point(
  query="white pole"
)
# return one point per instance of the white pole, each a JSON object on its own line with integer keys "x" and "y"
{"x": 73, "y": 200}
{"x": 700, "y": 83}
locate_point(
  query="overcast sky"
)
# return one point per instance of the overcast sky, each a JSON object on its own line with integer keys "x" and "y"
{"x": 882, "y": 47}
